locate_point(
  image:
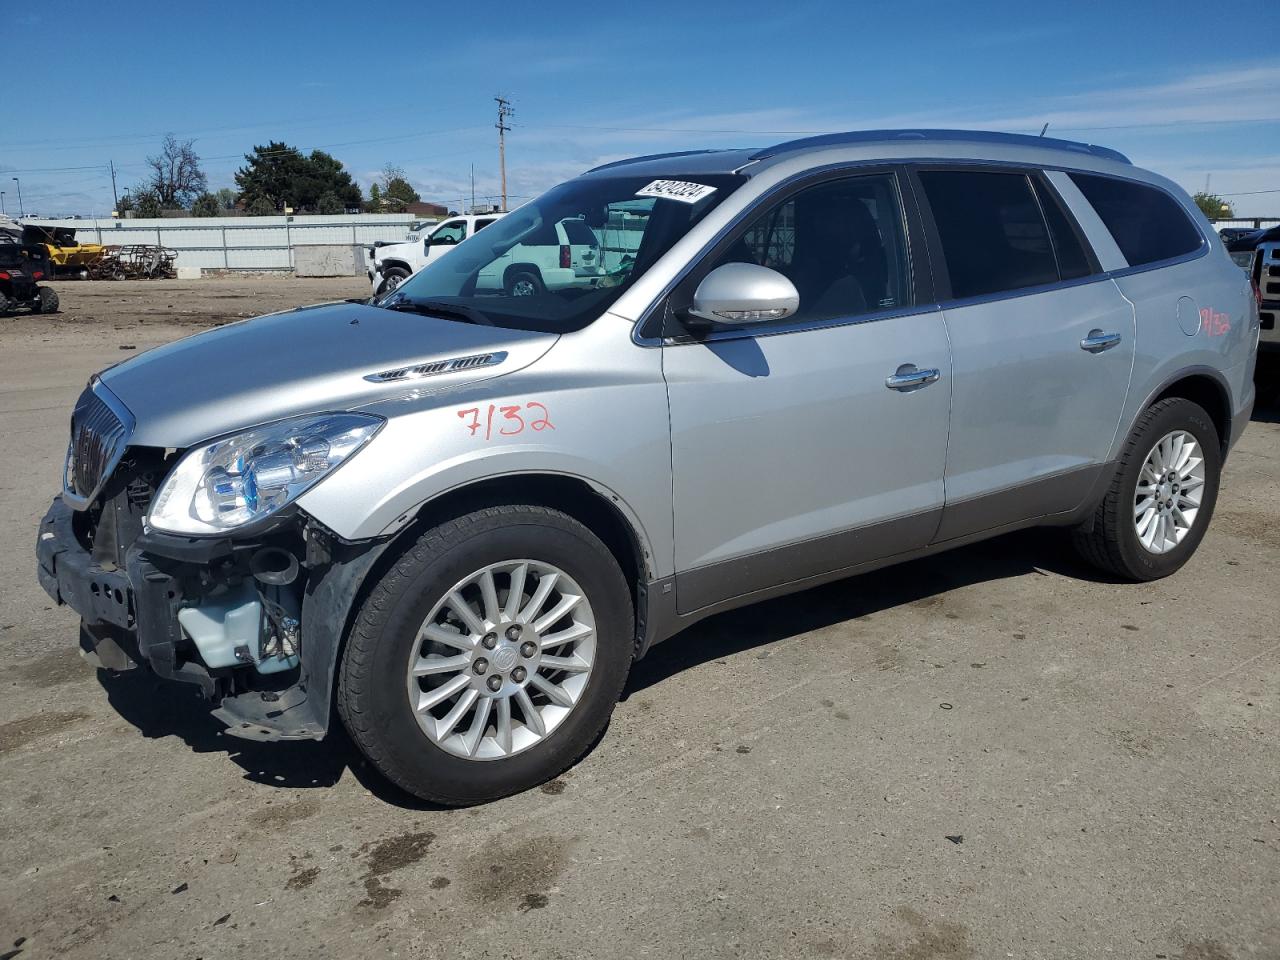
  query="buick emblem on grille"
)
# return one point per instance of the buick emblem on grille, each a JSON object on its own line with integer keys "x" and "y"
{"x": 100, "y": 429}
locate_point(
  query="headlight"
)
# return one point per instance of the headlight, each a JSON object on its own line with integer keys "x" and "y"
{"x": 242, "y": 478}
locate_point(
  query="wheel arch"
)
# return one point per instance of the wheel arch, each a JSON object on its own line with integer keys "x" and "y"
{"x": 522, "y": 268}
{"x": 384, "y": 265}
{"x": 1204, "y": 386}
{"x": 597, "y": 508}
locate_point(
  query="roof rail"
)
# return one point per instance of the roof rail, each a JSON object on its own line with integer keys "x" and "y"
{"x": 954, "y": 136}
{"x": 652, "y": 156}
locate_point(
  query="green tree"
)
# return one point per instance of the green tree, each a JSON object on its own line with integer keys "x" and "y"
{"x": 329, "y": 203}
{"x": 1213, "y": 206}
{"x": 227, "y": 198}
{"x": 284, "y": 177}
{"x": 146, "y": 203}
{"x": 261, "y": 207}
{"x": 206, "y": 205}
{"x": 397, "y": 192}
{"x": 374, "y": 204}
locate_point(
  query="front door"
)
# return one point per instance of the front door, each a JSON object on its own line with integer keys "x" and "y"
{"x": 818, "y": 442}
{"x": 1041, "y": 353}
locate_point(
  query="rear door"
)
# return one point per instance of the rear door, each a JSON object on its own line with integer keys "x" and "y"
{"x": 815, "y": 443}
{"x": 1042, "y": 346}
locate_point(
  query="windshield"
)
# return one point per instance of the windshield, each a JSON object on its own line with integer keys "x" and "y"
{"x": 557, "y": 263}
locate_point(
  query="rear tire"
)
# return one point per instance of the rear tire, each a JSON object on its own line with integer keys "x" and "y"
{"x": 48, "y": 302}
{"x": 390, "y": 636}
{"x": 1113, "y": 538}
{"x": 524, "y": 283}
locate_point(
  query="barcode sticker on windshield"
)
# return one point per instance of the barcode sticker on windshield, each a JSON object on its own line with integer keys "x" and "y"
{"x": 676, "y": 190}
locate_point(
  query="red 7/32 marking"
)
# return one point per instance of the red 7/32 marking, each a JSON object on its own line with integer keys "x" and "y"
{"x": 511, "y": 422}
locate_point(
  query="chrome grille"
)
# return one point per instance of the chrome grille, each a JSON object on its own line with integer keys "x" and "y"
{"x": 99, "y": 435}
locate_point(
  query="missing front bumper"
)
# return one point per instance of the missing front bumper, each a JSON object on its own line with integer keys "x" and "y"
{"x": 129, "y": 618}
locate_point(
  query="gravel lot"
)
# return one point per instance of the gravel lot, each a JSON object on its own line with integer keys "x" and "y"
{"x": 986, "y": 754}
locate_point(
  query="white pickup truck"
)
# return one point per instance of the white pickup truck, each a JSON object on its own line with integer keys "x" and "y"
{"x": 391, "y": 264}
{"x": 553, "y": 257}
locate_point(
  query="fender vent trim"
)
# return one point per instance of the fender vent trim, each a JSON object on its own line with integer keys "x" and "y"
{"x": 437, "y": 367}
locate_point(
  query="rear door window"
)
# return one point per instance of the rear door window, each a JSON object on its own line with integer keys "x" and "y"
{"x": 1068, "y": 246}
{"x": 992, "y": 233}
{"x": 1147, "y": 224}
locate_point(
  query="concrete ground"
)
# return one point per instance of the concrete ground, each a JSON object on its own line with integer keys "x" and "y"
{"x": 988, "y": 754}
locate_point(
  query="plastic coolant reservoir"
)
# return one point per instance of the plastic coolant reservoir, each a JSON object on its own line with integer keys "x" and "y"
{"x": 217, "y": 627}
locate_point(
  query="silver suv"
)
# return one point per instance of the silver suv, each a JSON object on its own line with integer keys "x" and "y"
{"x": 458, "y": 516}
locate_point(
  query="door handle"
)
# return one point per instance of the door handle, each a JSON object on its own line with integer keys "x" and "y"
{"x": 1097, "y": 341}
{"x": 908, "y": 377}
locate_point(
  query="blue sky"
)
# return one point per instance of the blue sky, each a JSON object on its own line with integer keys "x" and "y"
{"x": 1189, "y": 90}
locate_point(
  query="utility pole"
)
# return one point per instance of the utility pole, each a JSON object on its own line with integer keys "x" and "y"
{"x": 22, "y": 211}
{"x": 114, "y": 197}
{"x": 473, "y": 189}
{"x": 504, "y": 114}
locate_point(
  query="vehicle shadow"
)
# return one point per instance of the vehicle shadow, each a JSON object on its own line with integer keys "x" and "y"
{"x": 159, "y": 708}
{"x": 1045, "y": 551}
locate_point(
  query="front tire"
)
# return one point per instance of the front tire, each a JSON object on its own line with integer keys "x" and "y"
{"x": 489, "y": 657}
{"x": 394, "y": 277}
{"x": 1158, "y": 507}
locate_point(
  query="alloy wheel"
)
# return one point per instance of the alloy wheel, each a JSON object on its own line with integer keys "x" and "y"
{"x": 502, "y": 659}
{"x": 1169, "y": 492}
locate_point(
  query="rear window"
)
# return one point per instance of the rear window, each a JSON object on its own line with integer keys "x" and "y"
{"x": 1147, "y": 224}
{"x": 578, "y": 232}
{"x": 993, "y": 235}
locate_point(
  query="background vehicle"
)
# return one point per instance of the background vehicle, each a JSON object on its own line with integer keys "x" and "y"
{"x": 1264, "y": 272}
{"x": 67, "y": 257}
{"x": 459, "y": 513}
{"x": 24, "y": 263}
{"x": 1242, "y": 245}
{"x": 391, "y": 264}
{"x": 564, "y": 254}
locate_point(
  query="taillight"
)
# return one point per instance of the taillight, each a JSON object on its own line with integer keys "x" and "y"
{"x": 38, "y": 275}
{"x": 1255, "y": 276}
{"x": 565, "y": 259}
{"x": 4, "y": 275}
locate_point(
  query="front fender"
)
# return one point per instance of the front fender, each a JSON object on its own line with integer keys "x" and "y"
{"x": 587, "y": 410}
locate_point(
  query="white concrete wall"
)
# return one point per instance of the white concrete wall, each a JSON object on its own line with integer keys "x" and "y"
{"x": 328, "y": 260}
{"x": 242, "y": 243}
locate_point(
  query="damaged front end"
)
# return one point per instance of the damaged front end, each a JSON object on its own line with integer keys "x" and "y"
{"x": 253, "y": 618}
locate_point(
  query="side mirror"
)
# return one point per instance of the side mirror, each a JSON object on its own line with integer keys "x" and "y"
{"x": 737, "y": 293}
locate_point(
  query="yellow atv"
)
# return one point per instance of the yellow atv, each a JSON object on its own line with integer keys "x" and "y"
{"x": 67, "y": 257}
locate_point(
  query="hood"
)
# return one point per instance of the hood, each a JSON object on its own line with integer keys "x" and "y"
{"x": 399, "y": 248}
{"x": 309, "y": 360}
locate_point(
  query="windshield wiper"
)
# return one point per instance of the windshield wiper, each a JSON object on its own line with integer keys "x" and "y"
{"x": 435, "y": 308}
